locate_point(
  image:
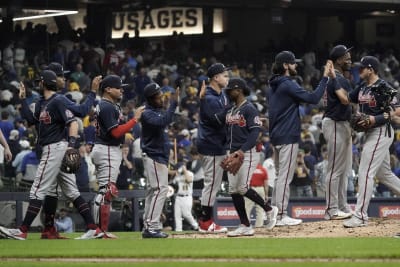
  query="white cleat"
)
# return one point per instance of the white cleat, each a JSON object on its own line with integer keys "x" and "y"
{"x": 92, "y": 234}
{"x": 242, "y": 230}
{"x": 272, "y": 218}
{"x": 354, "y": 222}
{"x": 287, "y": 221}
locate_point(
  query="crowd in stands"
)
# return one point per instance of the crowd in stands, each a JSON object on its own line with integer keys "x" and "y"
{"x": 174, "y": 61}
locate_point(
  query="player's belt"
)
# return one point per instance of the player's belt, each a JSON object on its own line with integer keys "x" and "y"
{"x": 181, "y": 195}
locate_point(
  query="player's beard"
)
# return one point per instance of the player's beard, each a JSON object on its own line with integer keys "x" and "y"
{"x": 292, "y": 72}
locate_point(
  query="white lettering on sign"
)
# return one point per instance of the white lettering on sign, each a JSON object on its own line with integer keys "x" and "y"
{"x": 311, "y": 212}
{"x": 389, "y": 211}
{"x": 158, "y": 22}
{"x": 227, "y": 213}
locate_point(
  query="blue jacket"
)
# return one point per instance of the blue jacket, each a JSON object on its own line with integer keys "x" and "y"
{"x": 154, "y": 140}
{"x": 211, "y": 138}
{"x": 284, "y": 98}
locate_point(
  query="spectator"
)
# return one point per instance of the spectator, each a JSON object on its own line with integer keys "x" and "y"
{"x": 6, "y": 126}
{"x": 125, "y": 169}
{"x": 63, "y": 222}
{"x": 302, "y": 180}
{"x": 17, "y": 162}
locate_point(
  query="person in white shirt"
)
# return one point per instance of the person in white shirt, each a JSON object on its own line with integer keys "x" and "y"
{"x": 64, "y": 223}
{"x": 184, "y": 199}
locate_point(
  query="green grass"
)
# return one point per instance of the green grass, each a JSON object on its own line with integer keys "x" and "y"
{"x": 205, "y": 251}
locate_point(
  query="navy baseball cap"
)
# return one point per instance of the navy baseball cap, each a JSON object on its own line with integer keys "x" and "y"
{"x": 151, "y": 89}
{"x": 57, "y": 68}
{"x": 215, "y": 69}
{"x": 112, "y": 81}
{"x": 338, "y": 52}
{"x": 370, "y": 62}
{"x": 286, "y": 57}
{"x": 238, "y": 83}
{"x": 48, "y": 77}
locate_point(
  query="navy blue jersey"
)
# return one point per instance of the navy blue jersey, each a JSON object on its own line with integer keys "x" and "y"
{"x": 244, "y": 125}
{"x": 284, "y": 99}
{"x": 368, "y": 104}
{"x": 108, "y": 116}
{"x": 211, "y": 138}
{"x": 335, "y": 110}
{"x": 154, "y": 140}
{"x": 52, "y": 116}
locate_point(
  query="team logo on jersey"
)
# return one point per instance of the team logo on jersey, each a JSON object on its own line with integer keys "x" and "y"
{"x": 367, "y": 98}
{"x": 237, "y": 119}
{"x": 69, "y": 114}
{"x": 45, "y": 117}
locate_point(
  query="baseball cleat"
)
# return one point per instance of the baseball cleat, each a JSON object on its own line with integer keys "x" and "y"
{"x": 108, "y": 235}
{"x": 339, "y": 216}
{"x": 211, "y": 227}
{"x": 153, "y": 234}
{"x": 92, "y": 234}
{"x": 242, "y": 230}
{"x": 13, "y": 233}
{"x": 397, "y": 235}
{"x": 272, "y": 218}
{"x": 354, "y": 222}
{"x": 287, "y": 221}
{"x": 51, "y": 233}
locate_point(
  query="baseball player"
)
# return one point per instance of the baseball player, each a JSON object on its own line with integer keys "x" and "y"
{"x": 52, "y": 116}
{"x": 375, "y": 156}
{"x": 337, "y": 132}
{"x": 285, "y": 125}
{"x": 259, "y": 183}
{"x": 51, "y": 199}
{"x": 211, "y": 144}
{"x": 107, "y": 154}
{"x": 184, "y": 199}
{"x": 244, "y": 127}
{"x": 156, "y": 147}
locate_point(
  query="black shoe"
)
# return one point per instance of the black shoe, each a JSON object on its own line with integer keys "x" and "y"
{"x": 153, "y": 234}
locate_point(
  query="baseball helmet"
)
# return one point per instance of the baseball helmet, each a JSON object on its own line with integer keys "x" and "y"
{"x": 215, "y": 69}
{"x": 370, "y": 62}
{"x": 49, "y": 78}
{"x": 238, "y": 83}
{"x": 338, "y": 52}
{"x": 151, "y": 89}
{"x": 57, "y": 68}
{"x": 112, "y": 81}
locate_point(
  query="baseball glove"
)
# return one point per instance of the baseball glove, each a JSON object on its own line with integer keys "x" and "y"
{"x": 360, "y": 122}
{"x": 233, "y": 162}
{"x": 71, "y": 161}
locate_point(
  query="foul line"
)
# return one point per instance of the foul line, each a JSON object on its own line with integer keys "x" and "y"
{"x": 263, "y": 260}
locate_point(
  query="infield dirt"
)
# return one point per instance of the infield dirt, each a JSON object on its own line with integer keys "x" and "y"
{"x": 377, "y": 227}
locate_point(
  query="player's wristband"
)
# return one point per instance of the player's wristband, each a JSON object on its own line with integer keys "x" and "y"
{"x": 380, "y": 119}
{"x": 73, "y": 142}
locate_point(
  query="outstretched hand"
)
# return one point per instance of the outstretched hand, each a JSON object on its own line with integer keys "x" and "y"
{"x": 329, "y": 70}
{"x": 22, "y": 91}
{"x": 96, "y": 83}
{"x": 175, "y": 97}
{"x": 138, "y": 112}
{"x": 202, "y": 90}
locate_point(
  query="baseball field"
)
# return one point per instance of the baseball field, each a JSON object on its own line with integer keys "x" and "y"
{"x": 275, "y": 248}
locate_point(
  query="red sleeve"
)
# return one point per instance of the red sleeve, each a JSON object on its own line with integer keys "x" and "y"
{"x": 122, "y": 129}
